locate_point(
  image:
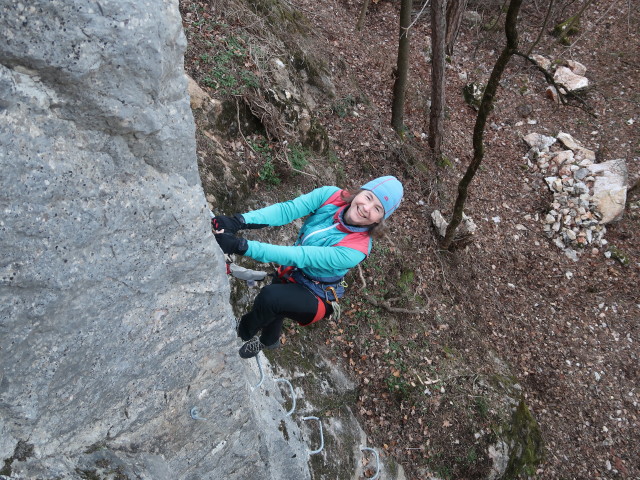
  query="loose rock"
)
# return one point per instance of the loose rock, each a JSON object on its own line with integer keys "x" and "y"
{"x": 585, "y": 195}
{"x": 569, "y": 80}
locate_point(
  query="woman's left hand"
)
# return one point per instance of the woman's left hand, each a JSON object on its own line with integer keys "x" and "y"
{"x": 233, "y": 224}
{"x": 231, "y": 244}
{"x": 228, "y": 224}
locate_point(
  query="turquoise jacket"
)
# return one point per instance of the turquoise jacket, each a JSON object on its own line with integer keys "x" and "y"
{"x": 326, "y": 247}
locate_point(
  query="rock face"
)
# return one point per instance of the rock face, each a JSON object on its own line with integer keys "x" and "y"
{"x": 114, "y": 313}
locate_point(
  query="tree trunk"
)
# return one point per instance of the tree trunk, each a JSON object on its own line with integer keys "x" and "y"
{"x": 363, "y": 13}
{"x": 402, "y": 71}
{"x": 455, "y": 9}
{"x": 486, "y": 106}
{"x": 436, "y": 115}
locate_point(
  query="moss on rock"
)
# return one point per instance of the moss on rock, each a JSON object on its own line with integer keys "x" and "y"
{"x": 317, "y": 138}
{"x": 524, "y": 436}
{"x": 279, "y": 13}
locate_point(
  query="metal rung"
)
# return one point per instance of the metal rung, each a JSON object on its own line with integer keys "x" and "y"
{"x": 195, "y": 414}
{"x": 313, "y": 452}
{"x": 261, "y": 371}
{"x": 293, "y": 395}
{"x": 377, "y": 461}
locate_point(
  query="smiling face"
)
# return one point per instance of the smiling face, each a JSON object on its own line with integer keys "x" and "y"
{"x": 365, "y": 209}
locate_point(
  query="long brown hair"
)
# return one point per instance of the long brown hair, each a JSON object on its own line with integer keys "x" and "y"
{"x": 377, "y": 230}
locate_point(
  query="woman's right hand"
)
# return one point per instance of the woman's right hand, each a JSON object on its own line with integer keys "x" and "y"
{"x": 231, "y": 244}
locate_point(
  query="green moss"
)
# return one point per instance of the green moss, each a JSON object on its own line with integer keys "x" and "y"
{"x": 22, "y": 451}
{"x": 6, "y": 470}
{"x": 526, "y": 440}
{"x": 619, "y": 255}
{"x": 502, "y": 382}
{"x": 567, "y": 28}
{"x": 225, "y": 122}
{"x": 302, "y": 356}
{"x": 96, "y": 447}
{"x": 88, "y": 474}
{"x": 482, "y": 407}
{"x": 277, "y": 12}
{"x": 283, "y": 429}
{"x": 472, "y": 94}
{"x": 316, "y": 68}
{"x": 317, "y": 138}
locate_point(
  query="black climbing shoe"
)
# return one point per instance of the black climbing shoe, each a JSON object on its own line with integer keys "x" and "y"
{"x": 253, "y": 347}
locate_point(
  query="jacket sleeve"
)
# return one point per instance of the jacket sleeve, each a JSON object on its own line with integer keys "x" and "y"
{"x": 324, "y": 258}
{"x": 282, "y": 213}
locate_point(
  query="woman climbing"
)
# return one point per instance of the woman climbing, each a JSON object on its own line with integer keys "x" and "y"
{"x": 336, "y": 237}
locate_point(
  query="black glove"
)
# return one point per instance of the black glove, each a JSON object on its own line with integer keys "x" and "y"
{"x": 233, "y": 224}
{"x": 231, "y": 244}
{"x": 229, "y": 224}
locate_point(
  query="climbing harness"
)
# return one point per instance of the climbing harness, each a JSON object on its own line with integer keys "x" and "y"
{"x": 287, "y": 274}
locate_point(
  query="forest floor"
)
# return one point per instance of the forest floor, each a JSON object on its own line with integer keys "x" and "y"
{"x": 568, "y": 330}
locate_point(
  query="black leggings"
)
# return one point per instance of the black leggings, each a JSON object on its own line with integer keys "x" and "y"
{"x": 273, "y": 304}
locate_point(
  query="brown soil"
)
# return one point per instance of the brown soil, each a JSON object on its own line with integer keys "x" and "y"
{"x": 567, "y": 331}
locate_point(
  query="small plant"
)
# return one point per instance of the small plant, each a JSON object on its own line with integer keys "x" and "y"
{"x": 379, "y": 327}
{"x": 398, "y": 386}
{"x": 405, "y": 281}
{"x": 333, "y": 158}
{"x": 264, "y": 151}
{"x": 482, "y": 407}
{"x": 226, "y": 75}
{"x": 444, "y": 162}
{"x": 298, "y": 157}
{"x": 249, "y": 79}
{"x": 619, "y": 255}
{"x": 343, "y": 106}
{"x": 268, "y": 173}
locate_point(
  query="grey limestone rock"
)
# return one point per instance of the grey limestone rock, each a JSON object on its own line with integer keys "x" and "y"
{"x": 114, "y": 312}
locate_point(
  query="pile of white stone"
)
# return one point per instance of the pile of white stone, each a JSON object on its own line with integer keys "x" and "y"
{"x": 586, "y": 195}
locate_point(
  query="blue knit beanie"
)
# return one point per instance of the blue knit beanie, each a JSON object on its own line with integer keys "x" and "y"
{"x": 388, "y": 190}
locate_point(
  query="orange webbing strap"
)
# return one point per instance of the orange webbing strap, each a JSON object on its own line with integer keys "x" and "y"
{"x": 320, "y": 313}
